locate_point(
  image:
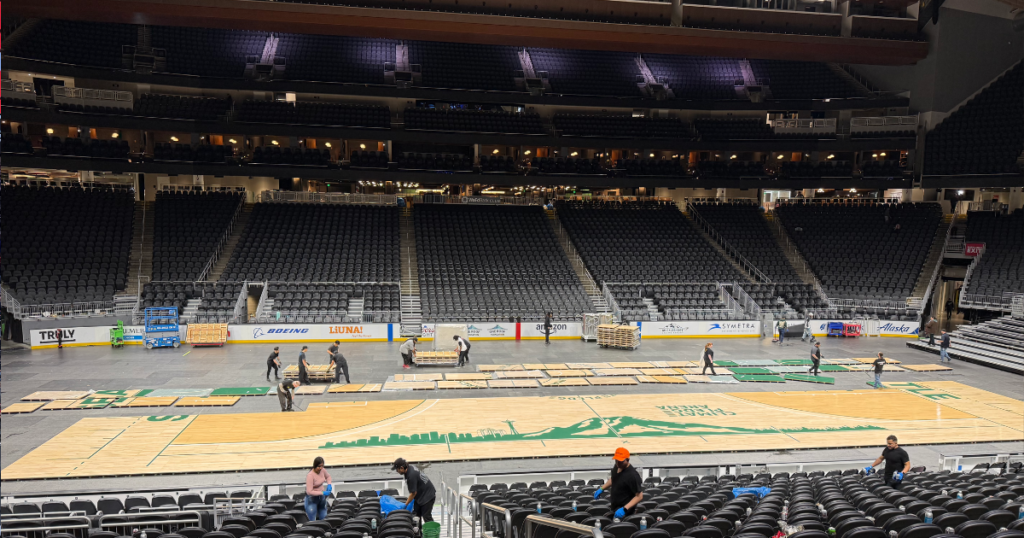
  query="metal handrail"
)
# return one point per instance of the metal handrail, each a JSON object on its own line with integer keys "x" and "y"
{"x": 612, "y": 303}
{"x": 240, "y": 302}
{"x": 744, "y": 299}
{"x": 229, "y": 503}
{"x": 328, "y": 197}
{"x": 491, "y": 509}
{"x": 560, "y": 525}
{"x": 919, "y": 302}
{"x": 462, "y": 519}
{"x": 968, "y": 275}
{"x": 128, "y": 521}
{"x": 731, "y": 250}
{"x": 222, "y": 241}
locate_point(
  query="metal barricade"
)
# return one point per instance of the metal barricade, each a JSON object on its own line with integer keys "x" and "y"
{"x": 460, "y": 519}
{"x": 167, "y": 522}
{"x": 533, "y": 521}
{"x": 490, "y": 517}
{"x": 225, "y": 507}
{"x": 40, "y": 526}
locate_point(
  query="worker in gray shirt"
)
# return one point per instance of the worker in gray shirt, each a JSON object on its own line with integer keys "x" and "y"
{"x": 408, "y": 351}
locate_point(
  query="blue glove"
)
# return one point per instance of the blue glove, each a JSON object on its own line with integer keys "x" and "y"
{"x": 409, "y": 506}
{"x": 867, "y": 470}
{"x": 620, "y": 513}
{"x": 598, "y": 493}
{"x": 328, "y": 489}
{"x": 899, "y": 476}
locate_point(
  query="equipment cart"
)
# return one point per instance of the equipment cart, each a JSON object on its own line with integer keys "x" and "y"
{"x": 162, "y": 327}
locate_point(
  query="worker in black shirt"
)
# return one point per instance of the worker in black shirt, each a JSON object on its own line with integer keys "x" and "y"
{"x": 285, "y": 394}
{"x": 273, "y": 363}
{"x": 625, "y": 484}
{"x": 340, "y": 365}
{"x": 897, "y": 462}
{"x": 709, "y": 359}
{"x": 333, "y": 349}
{"x": 548, "y": 325}
{"x": 816, "y": 359}
{"x": 303, "y": 366}
{"x": 421, "y": 490}
{"x": 879, "y": 365}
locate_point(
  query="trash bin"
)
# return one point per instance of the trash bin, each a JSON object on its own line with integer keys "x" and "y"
{"x": 431, "y": 529}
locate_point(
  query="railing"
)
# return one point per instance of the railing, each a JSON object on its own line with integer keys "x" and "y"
{"x": 240, "y": 303}
{"x": 849, "y": 304}
{"x": 125, "y": 524}
{"x": 92, "y": 97}
{"x": 837, "y": 200}
{"x": 734, "y": 308}
{"x": 918, "y": 303}
{"x": 328, "y": 197}
{"x": 612, "y": 303}
{"x": 65, "y": 310}
{"x": 589, "y": 284}
{"x": 955, "y": 244}
{"x": 14, "y": 86}
{"x": 36, "y": 526}
{"x": 884, "y": 123}
{"x": 798, "y": 256}
{"x": 969, "y": 274}
{"x": 309, "y": 316}
{"x": 1002, "y": 302}
{"x": 749, "y": 305}
{"x": 261, "y": 308}
{"x": 491, "y": 517}
{"x": 819, "y": 126}
{"x": 225, "y": 507}
{"x": 1017, "y": 307}
{"x": 538, "y": 521}
{"x": 384, "y": 315}
{"x": 222, "y": 241}
{"x": 729, "y": 249}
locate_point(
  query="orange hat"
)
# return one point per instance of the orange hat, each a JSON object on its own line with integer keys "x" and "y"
{"x": 621, "y": 454}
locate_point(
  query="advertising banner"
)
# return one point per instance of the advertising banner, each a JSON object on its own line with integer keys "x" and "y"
{"x": 559, "y": 331}
{"x": 85, "y": 336}
{"x": 906, "y": 329}
{"x": 253, "y": 334}
{"x": 700, "y": 329}
{"x": 490, "y": 330}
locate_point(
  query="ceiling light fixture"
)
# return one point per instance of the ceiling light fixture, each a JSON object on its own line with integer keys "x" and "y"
{"x": 49, "y": 131}
{"x": 327, "y": 144}
{"x": 362, "y": 146}
{"x": 174, "y": 139}
{"x": 275, "y": 142}
{"x": 232, "y": 140}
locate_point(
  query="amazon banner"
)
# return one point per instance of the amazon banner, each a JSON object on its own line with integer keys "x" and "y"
{"x": 284, "y": 334}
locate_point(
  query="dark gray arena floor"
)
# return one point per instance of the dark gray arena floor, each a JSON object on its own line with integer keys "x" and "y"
{"x": 103, "y": 368}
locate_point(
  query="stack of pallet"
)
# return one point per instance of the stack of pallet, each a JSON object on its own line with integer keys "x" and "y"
{"x": 436, "y": 357}
{"x": 317, "y": 372}
{"x": 207, "y": 334}
{"x": 618, "y": 336}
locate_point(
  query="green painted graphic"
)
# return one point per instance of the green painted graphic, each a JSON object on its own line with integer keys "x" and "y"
{"x": 794, "y": 362}
{"x": 760, "y": 378}
{"x": 811, "y": 379}
{"x": 750, "y": 371}
{"x": 592, "y": 428}
{"x": 241, "y": 391}
{"x": 833, "y": 368}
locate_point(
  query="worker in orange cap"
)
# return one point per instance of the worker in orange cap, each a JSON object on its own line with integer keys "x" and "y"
{"x": 625, "y": 486}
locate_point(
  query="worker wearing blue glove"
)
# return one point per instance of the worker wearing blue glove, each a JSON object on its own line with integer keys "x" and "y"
{"x": 897, "y": 463}
{"x": 318, "y": 488}
{"x": 598, "y": 493}
{"x": 625, "y": 485}
{"x": 421, "y": 490}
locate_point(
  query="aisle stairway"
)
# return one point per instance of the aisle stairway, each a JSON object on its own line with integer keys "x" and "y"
{"x": 998, "y": 344}
{"x": 229, "y": 247}
{"x": 140, "y": 265}
{"x": 412, "y": 311}
{"x": 789, "y": 248}
{"x": 935, "y": 254}
{"x": 589, "y": 285}
{"x": 711, "y": 241}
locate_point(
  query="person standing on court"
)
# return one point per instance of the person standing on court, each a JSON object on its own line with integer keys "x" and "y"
{"x": 625, "y": 486}
{"x": 709, "y": 359}
{"x": 879, "y": 365}
{"x": 273, "y": 362}
{"x": 782, "y": 331}
{"x": 421, "y": 490}
{"x": 408, "y": 351}
{"x": 897, "y": 463}
{"x": 333, "y": 349}
{"x": 548, "y": 325}
{"x": 303, "y": 366}
{"x": 318, "y": 488}
{"x": 462, "y": 348}
{"x": 815, "y": 359}
{"x": 286, "y": 394}
{"x": 808, "y": 334}
{"x": 340, "y": 365}
{"x": 931, "y": 329}
{"x": 944, "y": 348}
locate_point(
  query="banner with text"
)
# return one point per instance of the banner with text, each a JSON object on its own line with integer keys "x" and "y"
{"x": 699, "y": 329}
{"x": 376, "y": 332}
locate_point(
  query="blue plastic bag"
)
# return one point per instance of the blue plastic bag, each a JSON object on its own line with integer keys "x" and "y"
{"x": 389, "y": 504}
{"x": 760, "y": 492}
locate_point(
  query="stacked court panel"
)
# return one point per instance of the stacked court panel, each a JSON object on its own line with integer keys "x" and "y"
{"x": 493, "y": 263}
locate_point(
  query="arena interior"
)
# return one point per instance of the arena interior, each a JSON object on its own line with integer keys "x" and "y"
{"x": 685, "y": 268}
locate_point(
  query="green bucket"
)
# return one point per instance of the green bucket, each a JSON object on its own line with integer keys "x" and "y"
{"x": 431, "y": 529}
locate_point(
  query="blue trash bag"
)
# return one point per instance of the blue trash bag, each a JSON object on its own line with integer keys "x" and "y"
{"x": 389, "y": 504}
{"x": 760, "y": 492}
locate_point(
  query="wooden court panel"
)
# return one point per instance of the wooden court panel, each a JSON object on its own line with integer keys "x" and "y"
{"x": 788, "y": 369}
{"x": 144, "y": 401}
{"x": 726, "y": 363}
{"x": 419, "y": 377}
{"x": 719, "y": 379}
{"x": 241, "y": 391}
{"x": 460, "y": 385}
{"x": 870, "y": 360}
{"x": 666, "y": 379}
{"x": 747, "y": 378}
{"x": 499, "y": 367}
{"x": 569, "y": 373}
{"x": 564, "y": 382}
{"x": 834, "y": 368}
{"x": 927, "y": 368}
{"x": 467, "y": 429}
{"x": 468, "y": 377}
{"x": 673, "y": 364}
{"x": 821, "y": 380}
{"x": 755, "y": 362}
{"x": 698, "y": 371}
{"x": 617, "y": 372}
{"x": 527, "y": 374}
{"x": 27, "y": 407}
{"x": 58, "y": 405}
{"x": 118, "y": 393}
{"x": 47, "y": 396}
{"x": 869, "y": 368}
{"x": 310, "y": 390}
{"x": 545, "y": 366}
{"x": 658, "y": 371}
{"x": 797, "y": 362}
{"x": 744, "y": 370}
{"x": 842, "y": 361}
{"x": 410, "y": 385}
{"x": 611, "y": 380}
{"x": 212, "y": 401}
{"x": 587, "y": 365}
{"x": 181, "y": 393}
{"x": 631, "y": 364}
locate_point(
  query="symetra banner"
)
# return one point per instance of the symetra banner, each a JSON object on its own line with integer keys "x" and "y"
{"x": 699, "y": 329}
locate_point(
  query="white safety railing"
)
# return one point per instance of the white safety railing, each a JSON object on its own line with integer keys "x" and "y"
{"x": 968, "y": 275}
{"x": 167, "y": 521}
{"x": 21, "y": 90}
{"x": 64, "y": 95}
{"x": 328, "y": 197}
{"x": 535, "y": 521}
{"x": 1003, "y": 303}
{"x": 883, "y": 123}
{"x": 589, "y": 284}
{"x": 918, "y": 303}
{"x": 1017, "y": 306}
{"x": 807, "y": 126}
{"x": 74, "y": 523}
{"x": 241, "y": 303}
{"x": 261, "y": 314}
{"x": 225, "y": 507}
{"x": 729, "y": 249}
{"x": 612, "y": 303}
{"x": 222, "y": 241}
{"x": 743, "y": 298}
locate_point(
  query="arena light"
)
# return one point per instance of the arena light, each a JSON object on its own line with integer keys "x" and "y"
{"x": 874, "y": 155}
{"x": 275, "y": 142}
{"x": 49, "y": 131}
{"x": 362, "y": 146}
{"x": 174, "y": 139}
{"x": 652, "y": 155}
{"x": 821, "y": 190}
{"x": 882, "y": 154}
{"x": 853, "y": 191}
{"x": 327, "y": 144}
{"x": 959, "y": 193}
{"x": 779, "y": 157}
{"x": 115, "y": 134}
{"x": 733, "y": 157}
{"x": 831, "y": 156}
{"x": 495, "y": 152}
{"x": 573, "y": 154}
{"x": 232, "y": 140}
{"x": 527, "y": 152}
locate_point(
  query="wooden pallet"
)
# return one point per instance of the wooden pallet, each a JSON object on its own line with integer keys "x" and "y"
{"x": 213, "y": 401}
{"x": 543, "y": 366}
{"x": 564, "y": 382}
{"x": 587, "y": 365}
{"x": 616, "y": 380}
{"x": 468, "y": 377}
{"x": 927, "y": 368}
{"x": 666, "y": 379}
{"x": 419, "y": 377}
{"x": 513, "y": 384}
{"x": 461, "y": 385}
{"x": 344, "y": 389}
{"x": 569, "y": 373}
{"x": 410, "y": 385}
{"x": 499, "y": 367}
{"x": 614, "y": 372}
{"x": 21, "y": 408}
{"x": 310, "y": 390}
{"x": 162, "y": 401}
{"x": 531, "y": 374}
{"x": 436, "y": 358}
{"x": 47, "y": 396}
{"x": 619, "y": 336}
{"x": 207, "y": 334}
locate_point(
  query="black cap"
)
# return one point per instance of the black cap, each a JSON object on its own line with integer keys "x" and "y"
{"x": 399, "y": 463}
